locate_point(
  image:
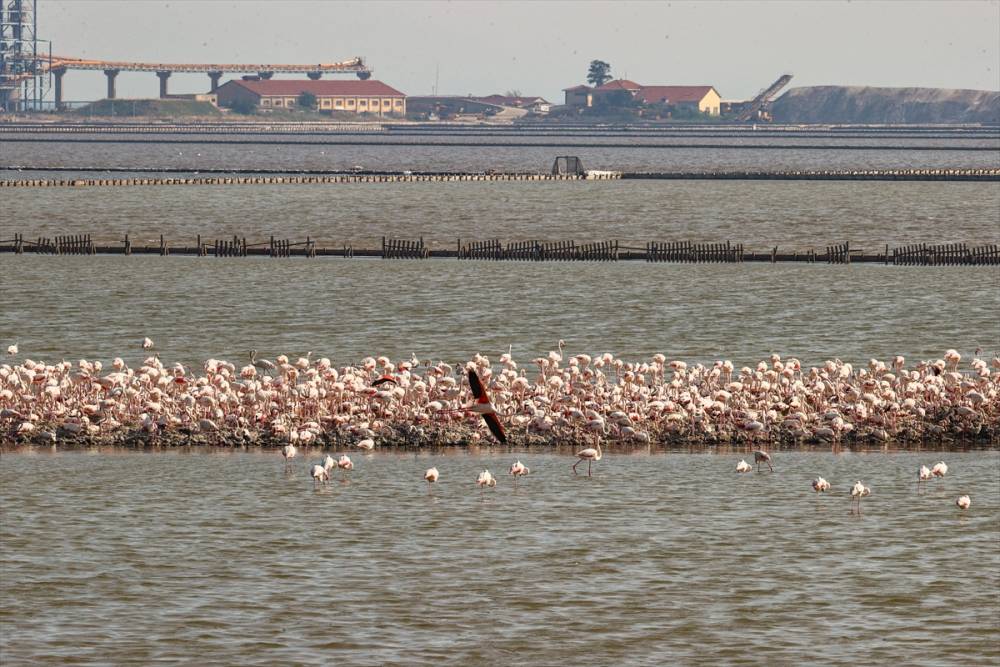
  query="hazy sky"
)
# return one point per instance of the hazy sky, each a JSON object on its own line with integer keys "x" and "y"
{"x": 540, "y": 48}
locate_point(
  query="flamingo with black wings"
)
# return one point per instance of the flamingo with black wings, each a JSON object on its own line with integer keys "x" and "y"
{"x": 483, "y": 407}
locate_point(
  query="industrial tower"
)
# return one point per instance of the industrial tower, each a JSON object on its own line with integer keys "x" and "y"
{"x": 24, "y": 77}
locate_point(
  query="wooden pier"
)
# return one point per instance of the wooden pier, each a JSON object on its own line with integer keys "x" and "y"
{"x": 684, "y": 252}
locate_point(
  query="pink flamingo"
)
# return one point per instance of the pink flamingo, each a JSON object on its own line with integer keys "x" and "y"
{"x": 319, "y": 474}
{"x": 859, "y": 491}
{"x": 288, "y": 452}
{"x": 963, "y": 502}
{"x": 486, "y": 479}
{"x": 345, "y": 463}
{"x": 760, "y": 456}
{"x": 743, "y": 466}
{"x": 431, "y": 476}
{"x": 589, "y": 455}
{"x": 819, "y": 485}
{"x": 518, "y": 469}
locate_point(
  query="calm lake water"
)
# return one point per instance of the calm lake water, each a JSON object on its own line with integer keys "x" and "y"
{"x": 196, "y": 308}
{"x": 218, "y": 557}
{"x": 646, "y": 155}
{"x": 221, "y": 557}
{"x": 759, "y": 214}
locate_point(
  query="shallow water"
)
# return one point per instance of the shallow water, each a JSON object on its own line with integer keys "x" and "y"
{"x": 762, "y": 214}
{"x": 220, "y": 556}
{"x": 195, "y": 308}
{"x": 744, "y": 153}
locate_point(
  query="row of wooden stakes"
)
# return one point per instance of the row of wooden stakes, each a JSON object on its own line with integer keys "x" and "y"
{"x": 951, "y": 254}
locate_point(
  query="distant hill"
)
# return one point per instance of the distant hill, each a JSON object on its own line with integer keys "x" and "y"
{"x": 859, "y": 104}
{"x": 148, "y": 108}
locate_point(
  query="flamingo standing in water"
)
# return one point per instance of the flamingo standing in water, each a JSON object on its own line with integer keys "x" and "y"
{"x": 431, "y": 476}
{"x": 345, "y": 463}
{"x": 859, "y": 491}
{"x": 940, "y": 469}
{"x": 319, "y": 474}
{"x": 963, "y": 502}
{"x": 483, "y": 407}
{"x": 820, "y": 485}
{"x": 518, "y": 469}
{"x": 329, "y": 463}
{"x": 485, "y": 479}
{"x": 923, "y": 474}
{"x": 743, "y": 466}
{"x": 289, "y": 451}
{"x": 12, "y": 350}
{"x": 760, "y": 456}
{"x": 367, "y": 444}
{"x": 589, "y": 455}
{"x": 147, "y": 344}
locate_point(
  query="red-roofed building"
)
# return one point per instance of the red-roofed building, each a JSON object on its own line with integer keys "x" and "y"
{"x": 619, "y": 84}
{"x": 354, "y": 96}
{"x": 704, "y": 99}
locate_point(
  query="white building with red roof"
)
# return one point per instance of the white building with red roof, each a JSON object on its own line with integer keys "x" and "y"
{"x": 354, "y": 96}
{"x": 703, "y": 98}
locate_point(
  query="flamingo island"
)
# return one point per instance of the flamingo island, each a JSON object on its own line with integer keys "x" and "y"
{"x": 555, "y": 400}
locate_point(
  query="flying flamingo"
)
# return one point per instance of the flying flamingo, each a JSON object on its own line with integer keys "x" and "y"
{"x": 963, "y": 502}
{"x": 760, "y": 456}
{"x": 940, "y": 469}
{"x": 820, "y": 484}
{"x": 743, "y": 466}
{"x": 288, "y": 451}
{"x": 319, "y": 474}
{"x": 859, "y": 491}
{"x": 483, "y": 407}
{"x": 589, "y": 455}
{"x": 518, "y": 469}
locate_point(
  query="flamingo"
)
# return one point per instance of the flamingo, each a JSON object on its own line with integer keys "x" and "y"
{"x": 518, "y": 469}
{"x": 329, "y": 463}
{"x": 820, "y": 484}
{"x": 483, "y": 407}
{"x": 288, "y": 451}
{"x": 431, "y": 476}
{"x": 940, "y": 469}
{"x": 147, "y": 344}
{"x": 367, "y": 444}
{"x": 963, "y": 502}
{"x": 263, "y": 364}
{"x": 923, "y": 474}
{"x": 344, "y": 463}
{"x": 589, "y": 455}
{"x": 319, "y": 474}
{"x": 382, "y": 380}
{"x": 859, "y": 491}
{"x": 486, "y": 479}
{"x": 12, "y": 349}
{"x": 760, "y": 456}
{"x": 743, "y": 466}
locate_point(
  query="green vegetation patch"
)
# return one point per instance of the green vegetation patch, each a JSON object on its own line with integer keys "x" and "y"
{"x": 155, "y": 108}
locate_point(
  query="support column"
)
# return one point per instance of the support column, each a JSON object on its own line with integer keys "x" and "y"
{"x": 163, "y": 75}
{"x": 214, "y": 78}
{"x": 58, "y": 73}
{"x": 111, "y": 74}
{"x": 314, "y": 75}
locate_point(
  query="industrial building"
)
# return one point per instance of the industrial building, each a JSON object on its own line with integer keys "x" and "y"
{"x": 704, "y": 99}
{"x": 370, "y": 96}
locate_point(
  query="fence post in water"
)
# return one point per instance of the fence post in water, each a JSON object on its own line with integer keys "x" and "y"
{"x": 774, "y": 255}
{"x": 383, "y": 247}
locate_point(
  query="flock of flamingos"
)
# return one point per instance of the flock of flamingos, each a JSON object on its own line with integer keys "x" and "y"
{"x": 557, "y": 399}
